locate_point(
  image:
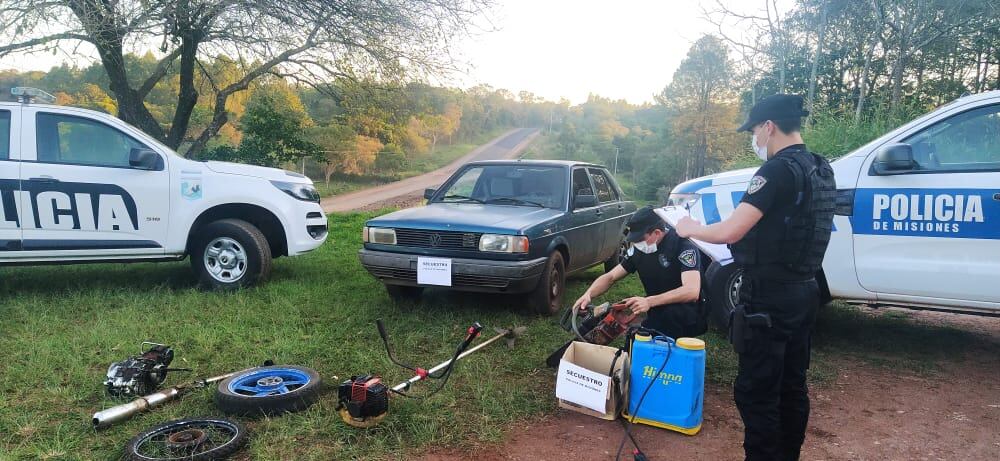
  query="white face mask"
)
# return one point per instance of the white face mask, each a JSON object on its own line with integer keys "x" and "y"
{"x": 759, "y": 150}
{"x": 645, "y": 247}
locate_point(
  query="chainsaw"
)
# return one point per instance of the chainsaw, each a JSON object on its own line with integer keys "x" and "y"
{"x": 599, "y": 324}
{"x": 363, "y": 400}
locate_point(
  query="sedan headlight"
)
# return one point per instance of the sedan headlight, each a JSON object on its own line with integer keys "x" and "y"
{"x": 503, "y": 243}
{"x": 685, "y": 201}
{"x": 379, "y": 235}
{"x": 304, "y": 192}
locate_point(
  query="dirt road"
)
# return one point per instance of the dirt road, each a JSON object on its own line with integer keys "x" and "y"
{"x": 508, "y": 145}
{"x": 866, "y": 413}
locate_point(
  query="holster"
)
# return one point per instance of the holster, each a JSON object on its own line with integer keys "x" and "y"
{"x": 742, "y": 324}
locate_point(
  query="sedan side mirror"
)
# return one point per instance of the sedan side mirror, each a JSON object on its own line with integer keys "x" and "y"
{"x": 145, "y": 159}
{"x": 584, "y": 201}
{"x": 428, "y": 193}
{"x": 893, "y": 159}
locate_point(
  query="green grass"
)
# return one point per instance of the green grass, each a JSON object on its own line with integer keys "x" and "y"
{"x": 62, "y": 326}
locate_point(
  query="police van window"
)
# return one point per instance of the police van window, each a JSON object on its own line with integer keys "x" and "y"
{"x": 969, "y": 141}
{"x": 581, "y": 183}
{"x": 79, "y": 141}
{"x": 605, "y": 193}
{"x": 4, "y": 134}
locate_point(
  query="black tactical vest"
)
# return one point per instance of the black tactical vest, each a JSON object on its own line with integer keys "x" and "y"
{"x": 807, "y": 229}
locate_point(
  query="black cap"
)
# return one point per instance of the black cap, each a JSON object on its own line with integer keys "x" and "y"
{"x": 642, "y": 221}
{"x": 776, "y": 107}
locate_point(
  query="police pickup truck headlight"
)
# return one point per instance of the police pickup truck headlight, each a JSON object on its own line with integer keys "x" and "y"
{"x": 379, "y": 235}
{"x": 304, "y": 192}
{"x": 503, "y": 243}
{"x": 685, "y": 201}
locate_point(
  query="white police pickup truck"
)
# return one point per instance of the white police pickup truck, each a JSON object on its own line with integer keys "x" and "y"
{"x": 918, "y": 215}
{"x": 83, "y": 186}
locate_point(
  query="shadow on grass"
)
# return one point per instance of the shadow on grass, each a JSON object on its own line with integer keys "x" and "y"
{"x": 844, "y": 334}
{"x": 48, "y": 280}
{"x": 891, "y": 340}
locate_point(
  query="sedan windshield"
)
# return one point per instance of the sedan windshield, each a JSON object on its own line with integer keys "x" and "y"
{"x": 514, "y": 185}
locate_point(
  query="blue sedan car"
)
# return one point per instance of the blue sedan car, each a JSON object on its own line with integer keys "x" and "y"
{"x": 517, "y": 226}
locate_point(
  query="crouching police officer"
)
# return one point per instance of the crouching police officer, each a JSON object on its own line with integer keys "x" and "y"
{"x": 669, "y": 268}
{"x": 779, "y": 234}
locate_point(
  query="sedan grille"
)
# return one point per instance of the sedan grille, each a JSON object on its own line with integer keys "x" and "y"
{"x": 438, "y": 239}
{"x": 457, "y": 280}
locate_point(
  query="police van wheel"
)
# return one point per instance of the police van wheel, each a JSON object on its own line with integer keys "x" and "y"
{"x": 723, "y": 292}
{"x": 230, "y": 254}
{"x": 547, "y": 296}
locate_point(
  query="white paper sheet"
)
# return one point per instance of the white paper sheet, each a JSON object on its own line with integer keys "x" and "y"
{"x": 582, "y": 386}
{"x": 718, "y": 252}
{"x": 434, "y": 271}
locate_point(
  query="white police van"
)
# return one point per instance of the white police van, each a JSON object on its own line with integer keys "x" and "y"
{"x": 83, "y": 186}
{"x": 918, "y": 215}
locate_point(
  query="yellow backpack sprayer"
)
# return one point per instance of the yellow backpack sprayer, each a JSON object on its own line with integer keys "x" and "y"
{"x": 363, "y": 400}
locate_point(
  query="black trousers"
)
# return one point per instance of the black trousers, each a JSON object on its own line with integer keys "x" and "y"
{"x": 770, "y": 390}
{"x": 677, "y": 320}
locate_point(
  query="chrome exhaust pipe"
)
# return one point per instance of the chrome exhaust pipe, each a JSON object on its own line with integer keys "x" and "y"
{"x": 119, "y": 413}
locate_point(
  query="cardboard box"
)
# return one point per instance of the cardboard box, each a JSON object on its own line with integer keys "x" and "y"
{"x": 583, "y": 382}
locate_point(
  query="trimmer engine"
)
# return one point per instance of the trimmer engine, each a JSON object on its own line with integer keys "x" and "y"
{"x": 364, "y": 397}
{"x": 603, "y": 323}
{"x": 599, "y": 324}
{"x": 142, "y": 374}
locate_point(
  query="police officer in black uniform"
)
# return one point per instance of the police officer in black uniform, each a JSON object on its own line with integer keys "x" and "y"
{"x": 779, "y": 234}
{"x": 669, "y": 268}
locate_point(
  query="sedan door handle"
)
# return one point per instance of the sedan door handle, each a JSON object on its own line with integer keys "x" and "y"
{"x": 44, "y": 179}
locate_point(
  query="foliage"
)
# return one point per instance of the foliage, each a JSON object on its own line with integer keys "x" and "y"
{"x": 274, "y": 130}
{"x": 390, "y": 159}
{"x": 306, "y": 41}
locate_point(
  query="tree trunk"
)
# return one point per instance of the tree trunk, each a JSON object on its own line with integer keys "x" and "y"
{"x": 187, "y": 96}
{"x": 897, "y": 81}
{"x": 328, "y": 171}
{"x": 815, "y": 63}
{"x": 863, "y": 87}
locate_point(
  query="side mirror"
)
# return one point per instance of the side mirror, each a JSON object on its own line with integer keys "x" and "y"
{"x": 428, "y": 193}
{"x": 584, "y": 201}
{"x": 894, "y": 158}
{"x": 144, "y": 159}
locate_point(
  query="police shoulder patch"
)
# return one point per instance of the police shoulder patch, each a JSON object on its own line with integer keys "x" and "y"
{"x": 688, "y": 258}
{"x": 756, "y": 184}
{"x": 630, "y": 251}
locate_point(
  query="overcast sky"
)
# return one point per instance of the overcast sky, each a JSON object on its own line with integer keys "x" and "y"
{"x": 623, "y": 49}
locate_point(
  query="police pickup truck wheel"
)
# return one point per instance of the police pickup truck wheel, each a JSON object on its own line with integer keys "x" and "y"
{"x": 723, "y": 292}
{"x": 547, "y": 296}
{"x": 230, "y": 254}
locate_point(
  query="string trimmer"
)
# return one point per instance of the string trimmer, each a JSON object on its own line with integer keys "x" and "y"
{"x": 363, "y": 400}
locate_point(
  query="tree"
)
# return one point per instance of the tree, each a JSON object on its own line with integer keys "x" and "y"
{"x": 274, "y": 128}
{"x": 336, "y": 143}
{"x": 391, "y": 159}
{"x": 702, "y": 103}
{"x": 309, "y": 41}
{"x": 93, "y": 97}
